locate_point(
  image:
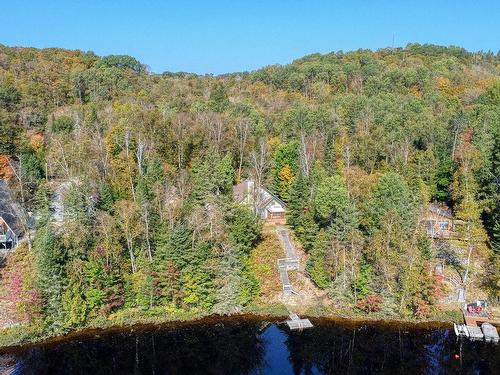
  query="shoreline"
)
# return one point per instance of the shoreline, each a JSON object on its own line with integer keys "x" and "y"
{"x": 151, "y": 324}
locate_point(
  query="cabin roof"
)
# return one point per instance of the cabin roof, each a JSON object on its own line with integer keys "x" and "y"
{"x": 8, "y": 208}
{"x": 241, "y": 190}
{"x": 441, "y": 210}
{"x": 273, "y": 197}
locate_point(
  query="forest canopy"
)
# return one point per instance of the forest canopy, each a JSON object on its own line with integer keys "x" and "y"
{"x": 143, "y": 167}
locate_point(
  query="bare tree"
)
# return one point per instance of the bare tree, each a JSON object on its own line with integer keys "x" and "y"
{"x": 259, "y": 161}
{"x": 125, "y": 146}
{"x": 139, "y": 154}
{"x": 168, "y": 203}
{"x": 308, "y": 145}
{"x": 127, "y": 215}
{"x": 198, "y": 223}
{"x": 99, "y": 149}
{"x": 59, "y": 157}
{"x": 214, "y": 124}
{"x": 242, "y": 128}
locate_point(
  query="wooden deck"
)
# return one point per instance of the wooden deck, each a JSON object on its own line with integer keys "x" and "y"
{"x": 284, "y": 237}
{"x": 291, "y": 262}
{"x": 474, "y": 320}
{"x": 299, "y": 324}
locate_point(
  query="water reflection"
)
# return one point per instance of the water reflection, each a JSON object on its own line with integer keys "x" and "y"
{"x": 242, "y": 347}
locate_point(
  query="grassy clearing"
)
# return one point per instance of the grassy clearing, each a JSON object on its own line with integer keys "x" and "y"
{"x": 275, "y": 310}
{"x": 263, "y": 262}
{"x": 20, "y": 334}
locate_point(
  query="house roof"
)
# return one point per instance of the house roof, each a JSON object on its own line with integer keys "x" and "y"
{"x": 273, "y": 197}
{"x": 8, "y": 210}
{"x": 440, "y": 209}
{"x": 241, "y": 190}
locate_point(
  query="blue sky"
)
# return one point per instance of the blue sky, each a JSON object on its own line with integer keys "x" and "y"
{"x": 227, "y": 36}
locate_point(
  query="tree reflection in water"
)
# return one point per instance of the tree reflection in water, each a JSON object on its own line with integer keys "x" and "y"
{"x": 233, "y": 348}
{"x": 241, "y": 347}
{"x": 332, "y": 349}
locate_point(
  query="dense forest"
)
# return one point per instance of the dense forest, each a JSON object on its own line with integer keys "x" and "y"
{"x": 125, "y": 178}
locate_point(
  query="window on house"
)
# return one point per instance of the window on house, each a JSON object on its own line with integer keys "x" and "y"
{"x": 443, "y": 225}
{"x": 429, "y": 225}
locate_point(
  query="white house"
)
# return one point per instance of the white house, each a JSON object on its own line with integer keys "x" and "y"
{"x": 267, "y": 205}
{"x": 9, "y": 225}
{"x": 8, "y": 238}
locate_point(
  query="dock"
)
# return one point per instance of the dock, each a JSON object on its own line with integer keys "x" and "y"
{"x": 475, "y": 333}
{"x": 477, "y": 325}
{"x": 490, "y": 333}
{"x": 296, "y": 323}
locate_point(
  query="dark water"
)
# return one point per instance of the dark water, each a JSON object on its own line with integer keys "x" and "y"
{"x": 243, "y": 347}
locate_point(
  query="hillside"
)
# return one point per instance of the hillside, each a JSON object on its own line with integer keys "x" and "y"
{"x": 357, "y": 144}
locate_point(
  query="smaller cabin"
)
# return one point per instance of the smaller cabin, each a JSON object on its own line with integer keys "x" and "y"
{"x": 8, "y": 238}
{"x": 9, "y": 223}
{"x": 266, "y": 204}
{"x": 439, "y": 222}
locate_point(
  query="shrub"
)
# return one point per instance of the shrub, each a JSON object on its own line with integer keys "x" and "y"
{"x": 371, "y": 303}
{"x": 63, "y": 124}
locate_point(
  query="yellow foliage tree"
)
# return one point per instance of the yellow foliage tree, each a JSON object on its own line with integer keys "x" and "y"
{"x": 285, "y": 177}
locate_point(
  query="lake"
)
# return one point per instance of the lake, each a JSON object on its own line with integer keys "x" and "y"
{"x": 251, "y": 346}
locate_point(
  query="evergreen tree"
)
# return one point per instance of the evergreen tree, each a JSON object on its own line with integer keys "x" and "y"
{"x": 224, "y": 177}
{"x": 297, "y": 200}
{"x": 51, "y": 258}
{"x": 361, "y": 285}
{"x": 285, "y": 154}
{"x": 244, "y": 229}
{"x": 107, "y": 197}
{"x": 330, "y": 200}
{"x": 307, "y": 231}
{"x": 219, "y": 101}
{"x": 8, "y": 135}
{"x": 228, "y": 284}
{"x": 495, "y": 241}
{"x": 317, "y": 263}
{"x": 176, "y": 246}
{"x": 212, "y": 177}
